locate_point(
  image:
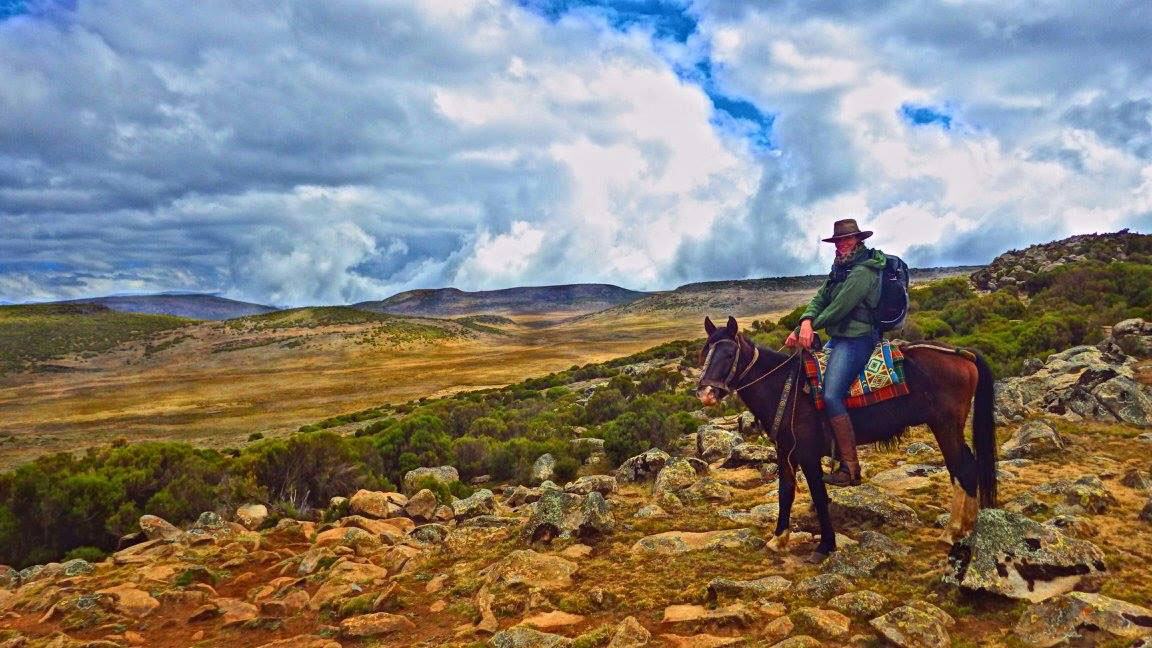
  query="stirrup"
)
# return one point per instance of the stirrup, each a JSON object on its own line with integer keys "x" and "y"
{"x": 842, "y": 477}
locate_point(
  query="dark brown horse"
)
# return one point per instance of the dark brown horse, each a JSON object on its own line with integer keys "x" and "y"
{"x": 944, "y": 382}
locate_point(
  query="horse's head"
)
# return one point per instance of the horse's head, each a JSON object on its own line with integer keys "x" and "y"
{"x": 720, "y": 355}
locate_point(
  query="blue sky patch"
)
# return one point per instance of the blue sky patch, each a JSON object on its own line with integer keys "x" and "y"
{"x": 924, "y": 115}
{"x": 9, "y": 8}
{"x": 667, "y": 18}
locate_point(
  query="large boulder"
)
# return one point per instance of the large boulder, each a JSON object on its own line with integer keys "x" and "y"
{"x": 441, "y": 474}
{"x": 1065, "y": 617}
{"x": 750, "y": 454}
{"x": 1011, "y": 555}
{"x": 157, "y": 528}
{"x": 868, "y": 504}
{"x": 642, "y": 467}
{"x": 566, "y": 515}
{"x": 422, "y": 505}
{"x": 543, "y": 469}
{"x": 677, "y": 475}
{"x": 1031, "y": 440}
{"x": 251, "y": 516}
{"x": 1090, "y": 494}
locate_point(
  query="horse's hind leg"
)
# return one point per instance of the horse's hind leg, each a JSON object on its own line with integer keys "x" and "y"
{"x": 819, "y": 492}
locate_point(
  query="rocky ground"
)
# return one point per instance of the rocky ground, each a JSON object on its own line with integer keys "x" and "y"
{"x": 1016, "y": 267}
{"x": 665, "y": 550}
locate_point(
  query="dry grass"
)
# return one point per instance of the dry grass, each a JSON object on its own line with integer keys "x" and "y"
{"x": 183, "y": 386}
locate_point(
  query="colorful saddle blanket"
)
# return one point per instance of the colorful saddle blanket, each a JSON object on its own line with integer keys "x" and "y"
{"x": 881, "y": 379}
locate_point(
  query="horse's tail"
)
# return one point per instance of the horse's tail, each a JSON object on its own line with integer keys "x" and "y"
{"x": 984, "y": 434}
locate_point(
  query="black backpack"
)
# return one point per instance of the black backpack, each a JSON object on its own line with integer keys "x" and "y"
{"x": 893, "y": 306}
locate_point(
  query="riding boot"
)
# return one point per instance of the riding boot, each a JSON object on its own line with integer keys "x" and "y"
{"x": 849, "y": 472}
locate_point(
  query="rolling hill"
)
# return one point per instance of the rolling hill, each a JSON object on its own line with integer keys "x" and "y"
{"x": 192, "y": 305}
{"x": 524, "y": 300}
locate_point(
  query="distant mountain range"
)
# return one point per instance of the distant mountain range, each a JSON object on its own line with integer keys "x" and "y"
{"x": 526, "y": 300}
{"x": 738, "y": 296}
{"x": 193, "y": 305}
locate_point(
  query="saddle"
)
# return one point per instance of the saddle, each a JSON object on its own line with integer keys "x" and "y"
{"x": 880, "y": 380}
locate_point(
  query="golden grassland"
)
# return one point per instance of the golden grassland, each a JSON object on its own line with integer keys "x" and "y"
{"x": 213, "y": 384}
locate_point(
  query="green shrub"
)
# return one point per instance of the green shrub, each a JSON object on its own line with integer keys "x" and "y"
{"x": 91, "y": 554}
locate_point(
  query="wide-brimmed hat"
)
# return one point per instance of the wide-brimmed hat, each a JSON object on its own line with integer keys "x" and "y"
{"x": 846, "y": 228}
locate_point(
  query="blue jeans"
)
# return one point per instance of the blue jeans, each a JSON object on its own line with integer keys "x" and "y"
{"x": 847, "y": 357}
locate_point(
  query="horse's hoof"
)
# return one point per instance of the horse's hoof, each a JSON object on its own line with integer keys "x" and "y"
{"x": 816, "y": 558}
{"x": 779, "y": 543}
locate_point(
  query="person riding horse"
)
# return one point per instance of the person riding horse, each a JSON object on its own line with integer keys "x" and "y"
{"x": 843, "y": 308}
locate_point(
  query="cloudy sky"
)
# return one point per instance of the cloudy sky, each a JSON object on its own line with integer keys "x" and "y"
{"x": 295, "y": 151}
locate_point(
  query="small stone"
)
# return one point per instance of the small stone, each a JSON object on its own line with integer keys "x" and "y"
{"x": 131, "y": 601}
{"x": 552, "y": 620}
{"x": 543, "y": 469}
{"x": 1031, "y": 440}
{"x": 603, "y": 484}
{"x": 678, "y": 542}
{"x": 374, "y": 625}
{"x": 699, "y": 641}
{"x": 736, "y": 613}
{"x": 525, "y": 637}
{"x": 532, "y": 569}
{"x": 768, "y": 586}
{"x": 482, "y": 502}
{"x": 650, "y": 511}
{"x": 868, "y": 504}
{"x": 251, "y": 516}
{"x": 799, "y": 641}
{"x": 779, "y": 628}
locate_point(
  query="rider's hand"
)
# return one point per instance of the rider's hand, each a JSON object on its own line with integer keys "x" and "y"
{"x": 805, "y": 337}
{"x": 792, "y": 340}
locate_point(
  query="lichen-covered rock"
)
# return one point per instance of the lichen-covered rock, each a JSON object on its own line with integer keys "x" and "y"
{"x": 1089, "y": 493}
{"x": 671, "y": 543}
{"x": 905, "y": 478}
{"x": 442, "y": 474}
{"x": 543, "y": 469}
{"x": 1067, "y": 616}
{"x": 766, "y": 587}
{"x": 735, "y": 614}
{"x": 650, "y": 511}
{"x": 9, "y": 578}
{"x": 525, "y": 637}
{"x": 422, "y": 505}
{"x": 374, "y": 625}
{"x": 1073, "y": 525}
{"x": 564, "y": 515}
{"x": 864, "y": 603}
{"x": 750, "y": 454}
{"x": 1013, "y": 556}
{"x": 1137, "y": 479}
{"x": 432, "y": 533}
{"x": 1031, "y": 440}
{"x": 867, "y": 504}
{"x": 376, "y": 504}
{"x": 761, "y": 515}
{"x": 603, "y": 484}
{"x": 714, "y": 444}
{"x": 873, "y": 551}
{"x": 675, "y": 476}
{"x": 482, "y": 502}
{"x": 824, "y": 586}
{"x": 642, "y": 467}
{"x": 706, "y": 488}
{"x": 531, "y": 569}
{"x": 828, "y": 623}
{"x": 909, "y": 627}
{"x": 630, "y": 634}
{"x": 157, "y": 528}
{"x": 251, "y": 516}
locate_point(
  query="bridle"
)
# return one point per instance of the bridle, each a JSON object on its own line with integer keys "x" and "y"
{"x": 726, "y": 384}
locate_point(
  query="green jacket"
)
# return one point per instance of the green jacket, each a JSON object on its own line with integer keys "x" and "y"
{"x": 843, "y": 308}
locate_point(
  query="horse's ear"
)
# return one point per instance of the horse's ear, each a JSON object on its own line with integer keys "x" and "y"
{"x": 732, "y": 327}
{"x": 709, "y": 327}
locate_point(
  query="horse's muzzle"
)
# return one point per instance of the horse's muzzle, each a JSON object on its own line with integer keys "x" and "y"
{"x": 709, "y": 395}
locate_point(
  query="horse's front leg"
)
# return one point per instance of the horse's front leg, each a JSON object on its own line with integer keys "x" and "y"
{"x": 814, "y": 475}
{"x": 786, "y": 489}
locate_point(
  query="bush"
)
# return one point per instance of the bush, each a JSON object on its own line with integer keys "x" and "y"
{"x": 90, "y": 554}
{"x": 566, "y": 468}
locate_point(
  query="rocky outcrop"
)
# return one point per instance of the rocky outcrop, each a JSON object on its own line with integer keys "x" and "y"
{"x": 1017, "y": 267}
{"x": 866, "y": 504}
{"x": 1031, "y": 440}
{"x": 482, "y": 502}
{"x": 1011, "y": 555}
{"x": 715, "y": 444}
{"x": 1084, "y": 382}
{"x": 603, "y": 484}
{"x": 376, "y": 504}
{"x": 566, "y": 515}
{"x": 911, "y": 626}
